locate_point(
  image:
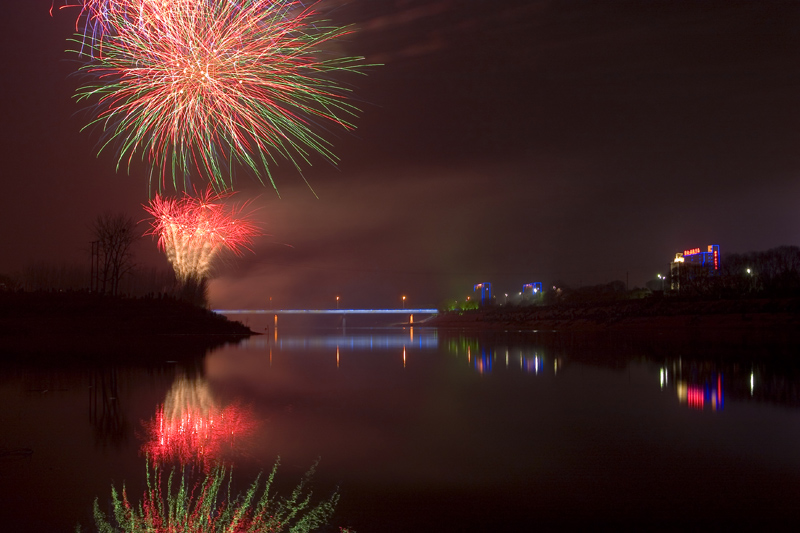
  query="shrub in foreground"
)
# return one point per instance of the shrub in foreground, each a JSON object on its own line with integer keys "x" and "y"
{"x": 207, "y": 506}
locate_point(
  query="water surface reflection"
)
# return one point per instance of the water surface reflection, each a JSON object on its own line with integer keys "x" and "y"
{"x": 192, "y": 427}
{"x": 429, "y": 430}
{"x": 484, "y": 432}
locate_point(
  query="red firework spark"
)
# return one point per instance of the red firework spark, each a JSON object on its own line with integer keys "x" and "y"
{"x": 194, "y": 230}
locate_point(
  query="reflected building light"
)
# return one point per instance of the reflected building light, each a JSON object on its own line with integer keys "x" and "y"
{"x": 483, "y": 363}
{"x": 484, "y": 357}
{"x": 337, "y": 357}
{"x": 404, "y": 356}
{"x": 531, "y": 365}
{"x": 426, "y": 341}
{"x": 681, "y": 390}
{"x": 698, "y": 396}
{"x": 752, "y": 383}
{"x": 662, "y": 378}
{"x": 695, "y": 397}
{"x": 555, "y": 366}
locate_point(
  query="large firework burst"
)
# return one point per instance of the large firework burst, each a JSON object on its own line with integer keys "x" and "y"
{"x": 199, "y": 89}
{"x": 193, "y": 231}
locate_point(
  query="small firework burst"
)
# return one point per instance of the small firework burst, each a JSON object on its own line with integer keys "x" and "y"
{"x": 194, "y": 231}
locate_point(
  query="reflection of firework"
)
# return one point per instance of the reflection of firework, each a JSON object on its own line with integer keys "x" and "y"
{"x": 191, "y": 426}
{"x": 203, "y": 87}
{"x": 193, "y": 231}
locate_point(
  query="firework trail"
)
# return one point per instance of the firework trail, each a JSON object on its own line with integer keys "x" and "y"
{"x": 200, "y": 89}
{"x": 193, "y": 231}
{"x": 92, "y": 19}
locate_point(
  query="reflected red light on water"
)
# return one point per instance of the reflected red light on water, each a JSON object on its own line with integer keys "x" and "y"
{"x": 195, "y": 436}
{"x": 695, "y": 397}
{"x": 190, "y": 427}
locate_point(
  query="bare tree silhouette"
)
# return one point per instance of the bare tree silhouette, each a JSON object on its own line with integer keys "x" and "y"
{"x": 115, "y": 235}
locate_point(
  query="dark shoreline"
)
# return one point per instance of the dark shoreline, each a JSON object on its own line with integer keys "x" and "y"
{"x": 649, "y": 314}
{"x": 61, "y": 327}
{"x": 68, "y": 328}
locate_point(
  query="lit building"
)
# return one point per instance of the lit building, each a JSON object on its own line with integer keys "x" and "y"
{"x": 485, "y": 292}
{"x": 532, "y": 290}
{"x": 689, "y": 263}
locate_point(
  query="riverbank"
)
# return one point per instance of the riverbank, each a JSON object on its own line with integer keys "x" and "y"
{"x": 780, "y": 314}
{"x": 90, "y": 327}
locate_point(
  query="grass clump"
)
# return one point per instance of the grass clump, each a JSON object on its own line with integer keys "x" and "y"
{"x": 206, "y": 506}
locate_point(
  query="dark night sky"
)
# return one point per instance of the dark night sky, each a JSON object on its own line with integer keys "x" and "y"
{"x": 509, "y": 142}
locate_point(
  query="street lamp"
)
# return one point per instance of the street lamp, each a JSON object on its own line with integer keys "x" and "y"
{"x": 404, "y": 302}
{"x": 337, "y": 302}
{"x": 662, "y": 281}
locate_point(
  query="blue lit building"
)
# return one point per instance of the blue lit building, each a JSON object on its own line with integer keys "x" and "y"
{"x": 484, "y": 290}
{"x": 532, "y": 290}
{"x": 690, "y": 263}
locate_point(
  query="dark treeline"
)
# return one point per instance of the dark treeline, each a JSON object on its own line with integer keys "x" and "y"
{"x": 112, "y": 269}
{"x": 52, "y": 277}
{"x": 765, "y": 274}
{"x": 612, "y": 291}
{"x": 768, "y": 274}
{"x": 771, "y": 273}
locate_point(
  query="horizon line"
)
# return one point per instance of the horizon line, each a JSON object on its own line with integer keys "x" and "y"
{"x": 322, "y": 311}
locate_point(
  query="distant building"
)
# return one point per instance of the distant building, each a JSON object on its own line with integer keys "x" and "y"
{"x": 532, "y": 291}
{"x": 484, "y": 291}
{"x": 691, "y": 263}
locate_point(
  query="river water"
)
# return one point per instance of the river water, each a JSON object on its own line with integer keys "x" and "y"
{"x": 426, "y": 430}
